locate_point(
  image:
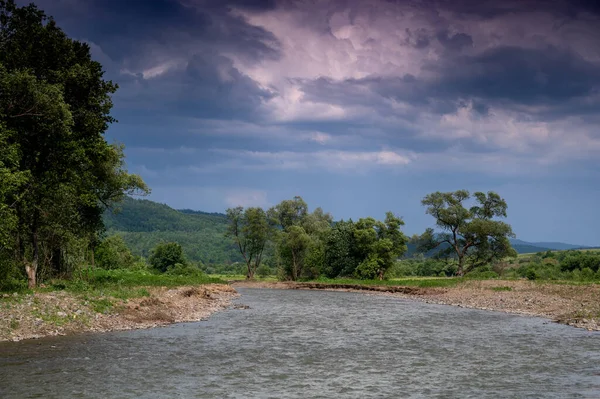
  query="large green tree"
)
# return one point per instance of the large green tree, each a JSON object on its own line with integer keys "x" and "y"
{"x": 339, "y": 250}
{"x": 54, "y": 109}
{"x": 299, "y": 242}
{"x": 377, "y": 245}
{"x": 250, "y": 231}
{"x": 472, "y": 235}
{"x": 167, "y": 255}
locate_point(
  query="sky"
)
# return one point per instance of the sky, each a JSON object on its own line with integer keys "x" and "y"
{"x": 359, "y": 107}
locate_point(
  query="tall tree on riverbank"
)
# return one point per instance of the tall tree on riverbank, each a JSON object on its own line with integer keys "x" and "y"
{"x": 377, "y": 245}
{"x": 470, "y": 234}
{"x": 299, "y": 242}
{"x": 250, "y": 230}
{"x": 54, "y": 109}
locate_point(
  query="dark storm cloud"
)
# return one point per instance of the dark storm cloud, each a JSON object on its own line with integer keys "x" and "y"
{"x": 528, "y": 76}
{"x": 124, "y": 28}
{"x": 208, "y": 87}
{"x": 487, "y": 9}
{"x": 509, "y": 76}
{"x": 166, "y": 54}
{"x": 456, "y": 41}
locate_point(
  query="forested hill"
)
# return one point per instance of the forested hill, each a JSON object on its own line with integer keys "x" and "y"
{"x": 144, "y": 223}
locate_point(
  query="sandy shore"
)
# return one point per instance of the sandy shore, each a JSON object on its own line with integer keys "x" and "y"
{"x": 59, "y": 313}
{"x": 574, "y": 305}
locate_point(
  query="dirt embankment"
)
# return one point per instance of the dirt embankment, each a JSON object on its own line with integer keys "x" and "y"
{"x": 58, "y": 313}
{"x": 575, "y": 305}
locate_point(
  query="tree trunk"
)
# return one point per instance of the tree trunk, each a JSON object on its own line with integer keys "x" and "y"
{"x": 250, "y": 274}
{"x": 31, "y": 267}
{"x": 294, "y": 267}
{"x": 31, "y": 270}
{"x": 93, "y": 257}
{"x": 460, "y": 271}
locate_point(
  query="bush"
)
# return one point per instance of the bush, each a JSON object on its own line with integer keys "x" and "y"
{"x": 368, "y": 269}
{"x": 530, "y": 274}
{"x": 113, "y": 253}
{"x": 166, "y": 255}
{"x": 184, "y": 270}
{"x": 587, "y": 274}
{"x": 264, "y": 271}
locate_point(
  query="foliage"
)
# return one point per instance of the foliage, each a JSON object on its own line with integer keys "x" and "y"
{"x": 184, "y": 270}
{"x": 143, "y": 224}
{"x": 112, "y": 253}
{"x": 378, "y": 245}
{"x": 57, "y": 172}
{"x": 299, "y": 238}
{"x": 424, "y": 267}
{"x": 250, "y": 230}
{"x": 309, "y": 245}
{"x": 339, "y": 246}
{"x": 471, "y": 235}
{"x": 167, "y": 255}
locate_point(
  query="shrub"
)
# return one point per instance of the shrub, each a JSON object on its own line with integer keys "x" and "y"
{"x": 587, "y": 274}
{"x": 166, "y": 255}
{"x": 184, "y": 270}
{"x": 264, "y": 271}
{"x": 500, "y": 267}
{"x": 531, "y": 274}
{"x": 368, "y": 269}
{"x": 113, "y": 253}
{"x": 550, "y": 261}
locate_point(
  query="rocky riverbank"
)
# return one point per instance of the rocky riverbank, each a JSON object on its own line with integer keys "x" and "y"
{"x": 40, "y": 314}
{"x": 574, "y": 305}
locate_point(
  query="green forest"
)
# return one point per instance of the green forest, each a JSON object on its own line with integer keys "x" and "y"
{"x": 143, "y": 224}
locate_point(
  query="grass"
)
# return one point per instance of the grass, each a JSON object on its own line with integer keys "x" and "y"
{"x": 101, "y": 305}
{"x": 124, "y": 284}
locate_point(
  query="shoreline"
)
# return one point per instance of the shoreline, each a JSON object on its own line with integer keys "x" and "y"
{"x": 576, "y": 306}
{"x": 43, "y": 314}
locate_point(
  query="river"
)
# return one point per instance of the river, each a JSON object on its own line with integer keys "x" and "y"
{"x": 315, "y": 344}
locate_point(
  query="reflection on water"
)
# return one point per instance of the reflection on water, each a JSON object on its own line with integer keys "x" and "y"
{"x": 297, "y": 344}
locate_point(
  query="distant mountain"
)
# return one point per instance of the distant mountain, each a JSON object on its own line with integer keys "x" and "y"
{"x": 144, "y": 223}
{"x": 522, "y": 247}
{"x": 544, "y": 246}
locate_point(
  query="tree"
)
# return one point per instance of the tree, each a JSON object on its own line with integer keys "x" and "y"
{"x": 54, "y": 109}
{"x": 377, "y": 245}
{"x": 339, "y": 250}
{"x": 300, "y": 237}
{"x": 294, "y": 244}
{"x": 288, "y": 212}
{"x": 250, "y": 230}
{"x": 166, "y": 256}
{"x": 472, "y": 235}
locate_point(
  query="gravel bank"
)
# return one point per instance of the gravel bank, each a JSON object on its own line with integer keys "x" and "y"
{"x": 59, "y": 313}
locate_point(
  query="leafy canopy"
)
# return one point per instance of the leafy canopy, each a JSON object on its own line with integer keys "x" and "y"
{"x": 472, "y": 234}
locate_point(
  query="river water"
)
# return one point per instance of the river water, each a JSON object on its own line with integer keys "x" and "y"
{"x": 315, "y": 344}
